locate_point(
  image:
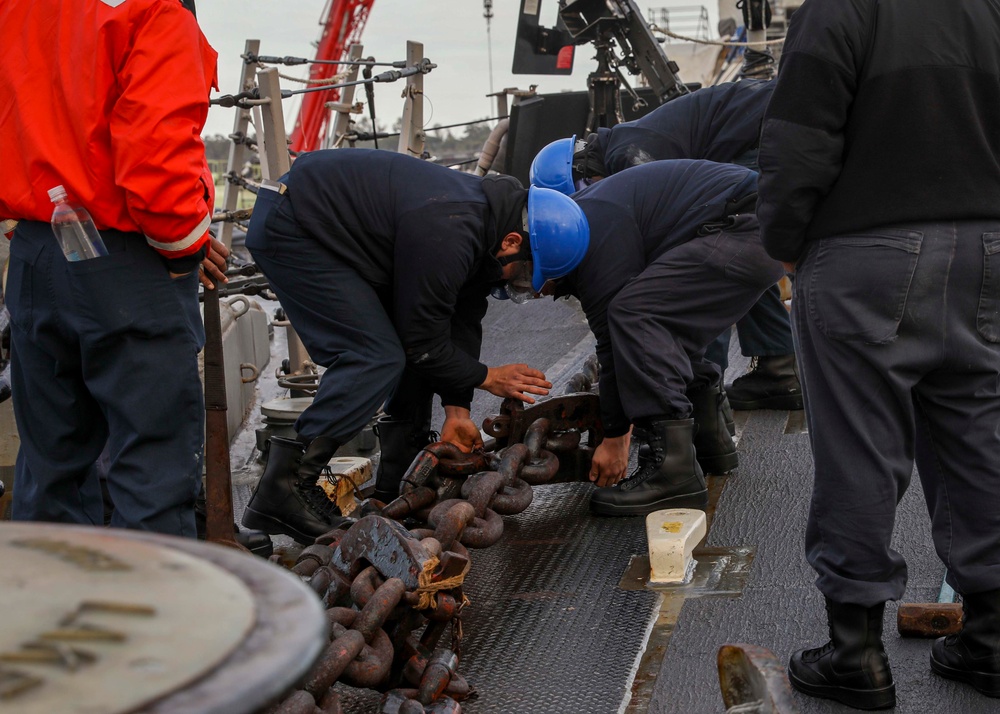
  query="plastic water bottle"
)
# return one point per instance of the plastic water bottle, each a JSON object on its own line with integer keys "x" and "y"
{"x": 74, "y": 228}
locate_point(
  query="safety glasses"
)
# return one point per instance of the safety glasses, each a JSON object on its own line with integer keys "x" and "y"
{"x": 518, "y": 286}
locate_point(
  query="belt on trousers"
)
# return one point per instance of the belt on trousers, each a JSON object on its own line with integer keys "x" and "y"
{"x": 734, "y": 207}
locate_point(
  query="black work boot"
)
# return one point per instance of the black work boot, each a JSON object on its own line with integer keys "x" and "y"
{"x": 771, "y": 383}
{"x": 712, "y": 440}
{"x": 287, "y": 499}
{"x": 973, "y": 655}
{"x": 668, "y": 475}
{"x": 400, "y": 441}
{"x": 727, "y": 416}
{"x": 852, "y": 668}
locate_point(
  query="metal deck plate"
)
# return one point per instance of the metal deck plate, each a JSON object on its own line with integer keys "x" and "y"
{"x": 549, "y": 630}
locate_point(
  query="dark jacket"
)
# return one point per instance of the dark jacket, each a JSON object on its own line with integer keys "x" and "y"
{"x": 885, "y": 112}
{"x": 424, "y": 237}
{"x": 719, "y": 123}
{"x": 635, "y": 217}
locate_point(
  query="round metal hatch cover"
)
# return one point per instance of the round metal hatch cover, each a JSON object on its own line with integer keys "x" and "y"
{"x": 105, "y": 621}
{"x": 286, "y": 408}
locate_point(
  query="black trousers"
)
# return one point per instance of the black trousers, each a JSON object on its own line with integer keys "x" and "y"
{"x": 104, "y": 356}
{"x": 765, "y": 331}
{"x": 662, "y": 321}
{"x": 898, "y": 338}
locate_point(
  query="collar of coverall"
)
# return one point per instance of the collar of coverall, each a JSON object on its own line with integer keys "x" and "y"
{"x": 588, "y": 159}
{"x": 507, "y": 201}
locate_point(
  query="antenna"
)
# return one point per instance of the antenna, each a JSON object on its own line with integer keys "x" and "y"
{"x": 488, "y": 14}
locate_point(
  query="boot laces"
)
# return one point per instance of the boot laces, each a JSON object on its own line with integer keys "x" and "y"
{"x": 641, "y": 475}
{"x": 316, "y": 499}
{"x": 817, "y": 653}
{"x": 649, "y": 464}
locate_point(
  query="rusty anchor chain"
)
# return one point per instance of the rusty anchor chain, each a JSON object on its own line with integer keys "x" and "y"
{"x": 392, "y": 593}
{"x": 374, "y": 615}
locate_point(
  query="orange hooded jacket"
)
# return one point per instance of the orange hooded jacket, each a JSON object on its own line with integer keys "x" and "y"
{"x": 108, "y": 98}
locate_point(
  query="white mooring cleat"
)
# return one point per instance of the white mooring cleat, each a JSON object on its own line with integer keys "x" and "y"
{"x": 672, "y": 535}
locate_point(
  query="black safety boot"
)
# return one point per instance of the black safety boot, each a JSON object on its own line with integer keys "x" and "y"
{"x": 287, "y": 499}
{"x": 771, "y": 383}
{"x": 400, "y": 441}
{"x": 852, "y": 668}
{"x": 256, "y": 542}
{"x": 727, "y": 416}
{"x": 973, "y": 655}
{"x": 712, "y": 440}
{"x": 668, "y": 475}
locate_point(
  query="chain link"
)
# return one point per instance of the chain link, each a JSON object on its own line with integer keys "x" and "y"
{"x": 383, "y": 584}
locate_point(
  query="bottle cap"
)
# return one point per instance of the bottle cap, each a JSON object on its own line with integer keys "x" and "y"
{"x": 57, "y": 193}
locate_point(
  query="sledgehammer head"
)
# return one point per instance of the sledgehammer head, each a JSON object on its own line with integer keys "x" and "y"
{"x": 929, "y": 619}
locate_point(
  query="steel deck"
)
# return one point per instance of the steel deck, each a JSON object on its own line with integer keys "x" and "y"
{"x": 554, "y": 628}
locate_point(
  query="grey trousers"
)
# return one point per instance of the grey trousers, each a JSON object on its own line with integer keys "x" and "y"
{"x": 897, "y": 333}
{"x": 664, "y": 318}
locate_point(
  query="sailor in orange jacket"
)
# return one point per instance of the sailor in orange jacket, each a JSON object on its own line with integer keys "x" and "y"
{"x": 108, "y": 99}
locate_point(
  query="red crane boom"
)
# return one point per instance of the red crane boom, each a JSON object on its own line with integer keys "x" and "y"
{"x": 343, "y": 21}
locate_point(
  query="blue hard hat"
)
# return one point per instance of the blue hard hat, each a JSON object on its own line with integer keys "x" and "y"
{"x": 558, "y": 232}
{"x": 552, "y": 167}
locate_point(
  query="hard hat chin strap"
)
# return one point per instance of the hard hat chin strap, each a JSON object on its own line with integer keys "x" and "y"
{"x": 523, "y": 254}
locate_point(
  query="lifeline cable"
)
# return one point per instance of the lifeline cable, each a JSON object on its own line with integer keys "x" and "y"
{"x": 370, "y": 136}
{"x": 720, "y": 43}
{"x": 252, "y": 98}
{"x": 251, "y": 58}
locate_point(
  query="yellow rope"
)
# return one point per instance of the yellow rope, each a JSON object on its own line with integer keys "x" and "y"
{"x": 428, "y": 590}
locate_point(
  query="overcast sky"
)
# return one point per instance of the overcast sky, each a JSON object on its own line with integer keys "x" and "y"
{"x": 453, "y": 33}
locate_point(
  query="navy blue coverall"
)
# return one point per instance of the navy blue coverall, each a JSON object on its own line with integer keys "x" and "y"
{"x": 719, "y": 123}
{"x": 105, "y": 352}
{"x": 673, "y": 260}
{"x": 383, "y": 264}
{"x": 888, "y": 201}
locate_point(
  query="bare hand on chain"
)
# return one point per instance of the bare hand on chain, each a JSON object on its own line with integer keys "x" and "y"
{"x": 463, "y": 433}
{"x": 610, "y": 461}
{"x": 517, "y": 381}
